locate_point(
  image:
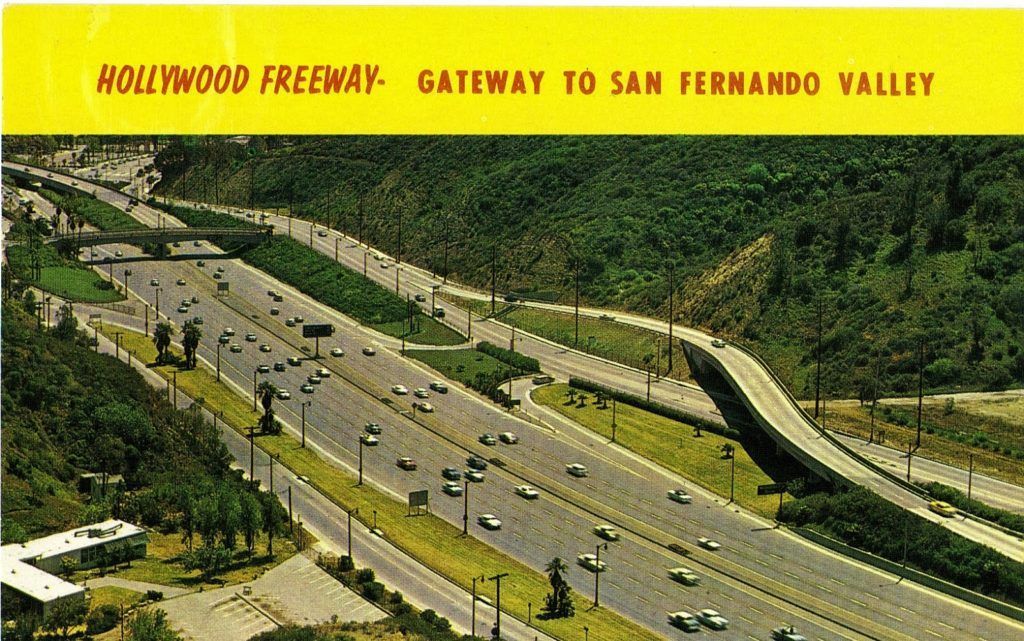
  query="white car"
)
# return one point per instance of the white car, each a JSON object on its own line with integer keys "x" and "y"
{"x": 369, "y": 440}
{"x": 322, "y": 233}
{"x": 712, "y": 619}
{"x": 508, "y": 438}
{"x": 250, "y": 337}
{"x": 489, "y": 521}
{"x": 708, "y": 544}
{"x": 473, "y": 476}
{"x": 577, "y": 469}
{"x": 487, "y": 439}
{"x": 228, "y": 332}
{"x": 590, "y": 562}
{"x": 527, "y": 492}
{"x": 717, "y": 342}
{"x": 426, "y": 407}
{"x": 263, "y": 369}
{"x": 369, "y": 351}
{"x": 606, "y": 532}
{"x": 294, "y": 361}
{"x": 290, "y": 322}
{"x": 313, "y": 379}
{"x": 337, "y": 351}
{"x": 684, "y": 621}
{"x": 372, "y": 428}
{"x": 686, "y": 576}
{"x": 265, "y": 348}
{"x": 323, "y": 372}
{"x": 306, "y": 388}
{"x": 401, "y": 390}
{"x": 180, "y": 282}
{"x": 283, "y": 394}
{"x": 452, "y": 488}
{"x": 235, "y": 347}
{"x": 419, "y": 392}
{"x": 155, "y": 282}
{"x": 679, "y": 496}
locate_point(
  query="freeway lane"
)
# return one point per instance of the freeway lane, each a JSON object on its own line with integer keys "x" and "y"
{"x": 623, "y": 480}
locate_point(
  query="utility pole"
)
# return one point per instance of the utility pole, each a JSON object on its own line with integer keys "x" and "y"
{"x": 447, "y": 227}
{"x": 472, "y": 626}
{"x": 614, "y": 425}
{"x": 920, "y": 389}
{"x": 218, "y": 361}
{"x": 305, "y": 404}
{"x": 817, "y": 356}
{"x": 350, "y": 513}
{"x": 147, "y": 321}
{"x": 497, "y": 608}
{"x": 291, "y": 521}
{"x": 469, "y": 323}
{"x": 360, "y": 461}
{"x": 648, "y": 382}
{"x": 910, "y": 455}
{"x": 254, "y": 373}
{"x": 336, "y": 248}
{"x": 671, "y": 312}
{"x": 597, "y": 574}
{"x": 465, "y": 509}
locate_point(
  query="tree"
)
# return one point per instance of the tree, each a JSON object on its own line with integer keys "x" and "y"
{"x": 191, "y": 334}
{"x": 67, "y": 324}
{"x": 162, "y": 340}
{"x": 151, "y": 625}
{"x": 65, "y": 615}
{"x": 251, "y": 517}
{"x": 68, "y": 564}
{"x": 266, "y": 392}
{"x": 728, "y": 450}
{"x": 29, "y": 302}
{"x": 558, "y": 603}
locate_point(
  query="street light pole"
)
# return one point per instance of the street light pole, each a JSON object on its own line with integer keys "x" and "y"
{"x": 254, "y": 373}
{"x": 158, "y": 290}
{"x": 218, "y": 361}
{"x": 304, "y": 406}
{"x": 497, "y": 624}
{"x": 472, "y": 632}
{"x": 597, "y": 574}
{"x": 732, "y": 478}
{"x": 350, "y": 513}
{"x": 360, "y": 461}
{"x": 614, "y": 425}
{"x": 465, "y": 509}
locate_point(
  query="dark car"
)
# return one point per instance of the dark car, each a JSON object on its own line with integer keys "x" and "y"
{"x": 476, "y": 463}
{"x": 451, "y": 473}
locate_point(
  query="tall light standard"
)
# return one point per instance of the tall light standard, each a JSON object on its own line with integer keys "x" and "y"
{"x": 497, "y": 606}
{"x": 158, "y": 290}
{"x": 218, "y": 360}
{"x": 127, "y": 273}
{"x": 305, "y": 404}
{"x": 350, "y": 513}
{"x": 465, "y": 509}
{"x": 597, "y": 573}
{"x": 254, "y": 373}
{"x": 472, "y": 632}
{"x": 360, "y": 460}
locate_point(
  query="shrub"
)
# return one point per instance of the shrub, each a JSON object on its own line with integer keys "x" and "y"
{"x": 373, "y": 590}
{"x": 510, "y": 358}
{"x": 346, "y": 564}
{"x": 102, "y": 619}
{"x": 154, "y": 595}
{"x": 365, "y": 575}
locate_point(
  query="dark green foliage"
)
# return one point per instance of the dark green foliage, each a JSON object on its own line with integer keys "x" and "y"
{"x": 523, "y": 364}
{"x": 150, "y": 625}
{"x": 862, "y": 519}
{"x": 959, "y": 500}
{"x": 65, "y": 615}
{"x": 896, "y": 231}
{"x": 558, "y": 603}
{"x": 102, "y": 619}
{"x": 373, "y": 590}
{"x": 97, "y": 213}
{"x": 154, "y": 595}
{"x": 653, "y": 407}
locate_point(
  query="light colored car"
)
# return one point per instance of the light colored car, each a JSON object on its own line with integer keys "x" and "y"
{"x": 236, "y": 348}
{"x": 420, "y": 298}
{"x": 313, "y": 379}
{"x": 372, "y": 428}
{"x": 686, "y": 576}
{"x": 712, "y": 619}
{"x": 119, "y": 253}
{"x": 606, "y": 532}
{"x": 218, "y": 275}
{"x": 787, "y": 633}
{"x": 306, "y": 388}
{"x": 283, "y": 394}
{"x": 183, "y": 309}
{"x": 473, "y": 476}
{"x": 679, "y": 496}
{"x": 322, "y": 233}
{"x": 197, "y": 320}
{"x": 708, "y": 544}
{"x": 369, "y": 351}
{"x": 426, "y": 407}
{"x": 155, "y": 282}
{"x": 717, "y": 342}
{"x": 527, "y": 492}
{"x": 323, "y": 372}
{"x": 299, "y": 319}
{"x": 265, "y": 348}
{"x": 220, "y": 269}
{"x": 488, "y": 439}
{"x": 263, "y": 369}
{"x": 406, "y": 463}
{"x": 294, "y": 361}
{"x": 385, "y": 265}
{"x": 228, "y": 331}
{"x": 419, "y": 392}
{"x": 489, "y": 522}
{"x": 452, "y": 488}
{"x": 186, "y": 302}
{"x": 180, "y": 282}
{"x": 290, "y": 322}
{"x": 508, "y": 438}
{"x": 250, "y": 337}
{"x": 223, "y": 339}
{"x": 684, "y": 621}
{"x": 590, "y": 562}
{"x": 337, "y": 351}
{"x": 401, "y": 390}
{"x": 942, "y": 509}
{"x": 369, "y": 439}
{"x": 577, "y": 469}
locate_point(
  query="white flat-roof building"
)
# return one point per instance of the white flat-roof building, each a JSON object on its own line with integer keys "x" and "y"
{"x": 29, "y": 569}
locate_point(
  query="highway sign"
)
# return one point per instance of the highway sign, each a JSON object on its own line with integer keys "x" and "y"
{"x": 314, "y": 330}
{"x": 418, "y": 499}
{"x": 223, "y": 287}
{"x": 771, "y": 488}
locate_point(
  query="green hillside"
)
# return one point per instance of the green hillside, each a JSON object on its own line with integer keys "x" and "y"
{"x": 904, "y": 239}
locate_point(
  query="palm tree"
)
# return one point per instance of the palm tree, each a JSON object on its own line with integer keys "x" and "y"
{"x": 162, "y": 340}
{"x": 190, "y": 341}
{"x": 266, "y": 392}
{"x": 558, "y": 603}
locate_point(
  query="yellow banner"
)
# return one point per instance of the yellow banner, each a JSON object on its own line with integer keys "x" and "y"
{"x": 431, "y": 70}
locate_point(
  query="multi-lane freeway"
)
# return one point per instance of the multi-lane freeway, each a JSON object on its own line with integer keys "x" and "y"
{"x": 761, "y": 576}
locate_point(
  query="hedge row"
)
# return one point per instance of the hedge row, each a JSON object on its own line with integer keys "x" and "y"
{"x": 957, "y": 498}
{"x": 516, "y": 360}
{"x": 654, "y": 407}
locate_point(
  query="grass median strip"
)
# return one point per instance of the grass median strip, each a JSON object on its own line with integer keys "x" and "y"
{"x": 429, "y": 539}
{"x": 672, "y": 445}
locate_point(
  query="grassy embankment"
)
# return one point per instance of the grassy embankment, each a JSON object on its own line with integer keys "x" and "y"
{"x": 431, "y": 540}
{"x": 673, "y": 445}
